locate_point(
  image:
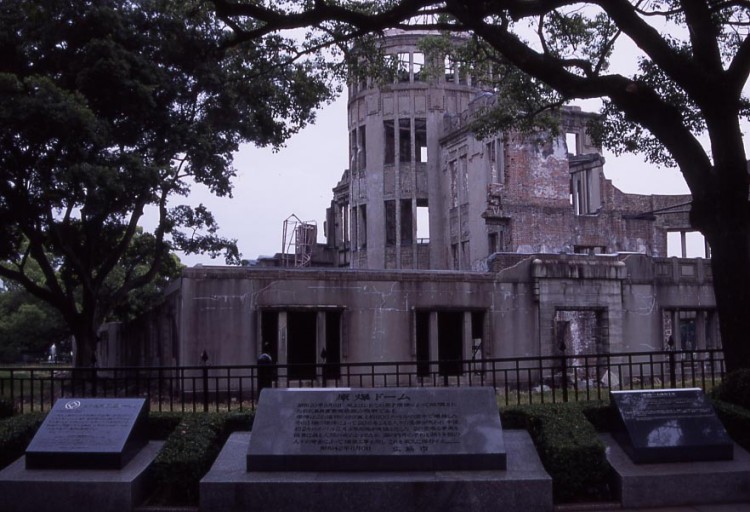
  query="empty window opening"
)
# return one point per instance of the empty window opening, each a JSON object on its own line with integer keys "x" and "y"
{"x": 464, "y": 169}
{"x": 418, "y": 66}
{"x": 389, "y": 135}
{"x": 465, "y": 256}
{"x": 454, "y": 183}
{"x": 404, "y": 140}
{"x": 450, "y": 342}
{"x": 363, "y": 227}
{"x": 302, "y": 328}
{"x": 450, "y": 337}
{"x": 687, "y": 244}
{"x": 361, "y": 148}
{"x": 579, "y": 195}
{"x": 492, "y": 243}
{"x": 697, "y": 329}
{"x": 420, "y": 139}
{"x": 571, "y": 141}
{"x": 345, "y": 214}
{"x": 353, "y": 150}
{"x": 589, "y": 249}
{"x": 423, "y": 221}
{"x": 390, "y": 222}
{"x": 477, "y": 334}
{"x": 403, "y": 67}
{"x": 450, "y": 70}
{"x": 584, "y": 188}
{"x": 580, "y": 331}
{"x": 494, "y": 172}
{"x": 454, "y": 254}
{"x": 407, "y": 222}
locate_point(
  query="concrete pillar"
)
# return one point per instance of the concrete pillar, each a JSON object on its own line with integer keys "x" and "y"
{"x": 676, "y": 329}
{"x": 281, "y": 350}
{"x": 700, "y": 330}
{"x": 434, "y": 368}
{"x": 467, "y": 342}
{"x": 683, "y": 244}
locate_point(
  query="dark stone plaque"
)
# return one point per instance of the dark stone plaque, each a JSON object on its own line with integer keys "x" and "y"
{"x": 669, "y": 425}
{"x": 386, "y": 429}
{"x": 89, "y": 433}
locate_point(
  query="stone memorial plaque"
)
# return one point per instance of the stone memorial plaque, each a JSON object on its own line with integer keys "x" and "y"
{"x": 89, "y": 433}
{"x": 669, "y": 425}
{"x": 385, "y": 429}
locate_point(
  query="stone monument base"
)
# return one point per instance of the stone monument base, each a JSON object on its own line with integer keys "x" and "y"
{"x": 525, "y": 485}
{"x": 679, "y": 483}
{"x": 73, "y": 490}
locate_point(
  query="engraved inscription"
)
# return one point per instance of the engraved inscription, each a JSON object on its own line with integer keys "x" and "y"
{"x": 664, "y": 405}
{"x": 87, "y": 427}
{"x": 380, "y": 421}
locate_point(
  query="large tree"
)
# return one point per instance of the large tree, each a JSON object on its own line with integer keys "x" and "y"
{"x": 110, "y": 109}
{"x": 684, "y": 105}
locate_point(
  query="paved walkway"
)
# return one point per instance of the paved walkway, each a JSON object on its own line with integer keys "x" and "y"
{"x": 609, "y": 507}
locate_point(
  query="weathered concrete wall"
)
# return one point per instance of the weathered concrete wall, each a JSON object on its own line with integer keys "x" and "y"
{"x": 521, "y": 304}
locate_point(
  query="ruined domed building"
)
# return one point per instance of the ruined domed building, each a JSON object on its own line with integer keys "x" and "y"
{"x": 443, "y": 246}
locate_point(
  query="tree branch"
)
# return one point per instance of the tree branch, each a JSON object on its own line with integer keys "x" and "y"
{"x": 703, "y": 38}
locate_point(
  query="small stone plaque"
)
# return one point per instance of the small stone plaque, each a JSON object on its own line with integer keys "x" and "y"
{"x": 89, "y": 433}
{"x": 383, "y": 429}
{"x": 669, "y": 425}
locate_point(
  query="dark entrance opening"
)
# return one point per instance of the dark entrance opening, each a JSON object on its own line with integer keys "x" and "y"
{"x": 422, "y": 319}
{"x": 301, "y": 346}
{"x": 332, "y": 360}
{"x": 269, "y": 333}
{"x": 450, "y": 341}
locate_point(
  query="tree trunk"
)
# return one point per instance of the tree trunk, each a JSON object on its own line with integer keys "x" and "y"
{"x": 729, "y": 239}
{"x": 85, "y": 353}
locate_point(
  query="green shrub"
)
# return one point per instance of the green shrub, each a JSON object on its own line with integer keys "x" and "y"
{"x": 239, "y": 422}
{"x": 162, "y": 424}
{"x": 735, "y": 388}
{"x": 15, "y": 435}
{"x": 6, "y": 409}
{"x": 600, "y": 415}
{"x": 736, "y": 420}
{"x": 188, "y": 453}
{"x": 569, "y": 448}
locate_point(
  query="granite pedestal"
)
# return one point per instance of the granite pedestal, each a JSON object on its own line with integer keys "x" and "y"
{"x": 524, "y": 485}
{"x": 361, "y": 429}
{"x": 669, "y": 425}
{"x": 679, "y": 483}
{"x": 74, "y": 490}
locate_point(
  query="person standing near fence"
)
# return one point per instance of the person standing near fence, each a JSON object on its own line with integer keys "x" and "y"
{"x": 265, "y": 370}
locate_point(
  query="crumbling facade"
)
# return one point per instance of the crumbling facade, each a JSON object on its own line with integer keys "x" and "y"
{"x": 414, "y": 160}
{"x": 530, "y": 249}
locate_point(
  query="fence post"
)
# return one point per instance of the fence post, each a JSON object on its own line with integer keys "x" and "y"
{"x": 564, "y": 368}
{"x": 94, "y": 376}
{"x": 204, "y": 362}
{"x": 672, "y": 370}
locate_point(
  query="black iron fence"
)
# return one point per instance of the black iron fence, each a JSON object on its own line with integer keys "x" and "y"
{"x": 558, "y": 378}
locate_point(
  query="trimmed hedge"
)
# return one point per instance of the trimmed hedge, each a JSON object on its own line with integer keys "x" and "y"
{"x": 162, "y": 424}
{"x": 569, "y": 448}
{"x": 735, "y": 388}
{"x": 736, "y": 420}
{"x": 188, "y": 453}
{"x": 6, "y": 409}
{"x": 16, "y": 433}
